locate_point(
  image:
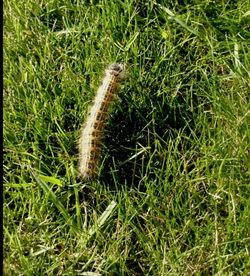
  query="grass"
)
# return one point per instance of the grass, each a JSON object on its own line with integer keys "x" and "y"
{"x": 172, "y": 195}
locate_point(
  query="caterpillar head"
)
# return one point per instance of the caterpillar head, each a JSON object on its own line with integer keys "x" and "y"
{"x": 117, "y": 69}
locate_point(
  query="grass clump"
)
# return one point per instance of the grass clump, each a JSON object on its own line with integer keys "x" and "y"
{"x": 172, "y": 193}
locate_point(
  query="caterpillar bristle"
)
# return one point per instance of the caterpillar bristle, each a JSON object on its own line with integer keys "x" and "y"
{"x": 92, "y": 132}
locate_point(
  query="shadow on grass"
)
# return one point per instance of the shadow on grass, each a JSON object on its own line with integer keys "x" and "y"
{"x": 135, "y": 124}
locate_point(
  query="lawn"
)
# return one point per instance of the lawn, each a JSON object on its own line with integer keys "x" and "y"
{"x": 172, "y": 192}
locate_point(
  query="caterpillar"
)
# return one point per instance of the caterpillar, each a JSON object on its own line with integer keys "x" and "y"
{"x": 92, "y": 131}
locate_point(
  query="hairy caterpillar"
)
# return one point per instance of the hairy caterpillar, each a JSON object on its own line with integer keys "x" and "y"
{"x": 92, "y": 132}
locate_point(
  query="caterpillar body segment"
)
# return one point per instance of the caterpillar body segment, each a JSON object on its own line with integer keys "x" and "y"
{"x": 92, "y": 132}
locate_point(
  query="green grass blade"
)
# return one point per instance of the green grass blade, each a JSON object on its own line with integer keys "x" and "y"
{"x": 55, "y": 200}
{"x": 102, "y": 219}
{"x": 178, "y": 20}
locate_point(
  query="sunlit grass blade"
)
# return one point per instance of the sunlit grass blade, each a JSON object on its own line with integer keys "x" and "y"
{"x": 178, "y": 20}
{"x": 55, "y": 200}
{"x": 102, "y": 219}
